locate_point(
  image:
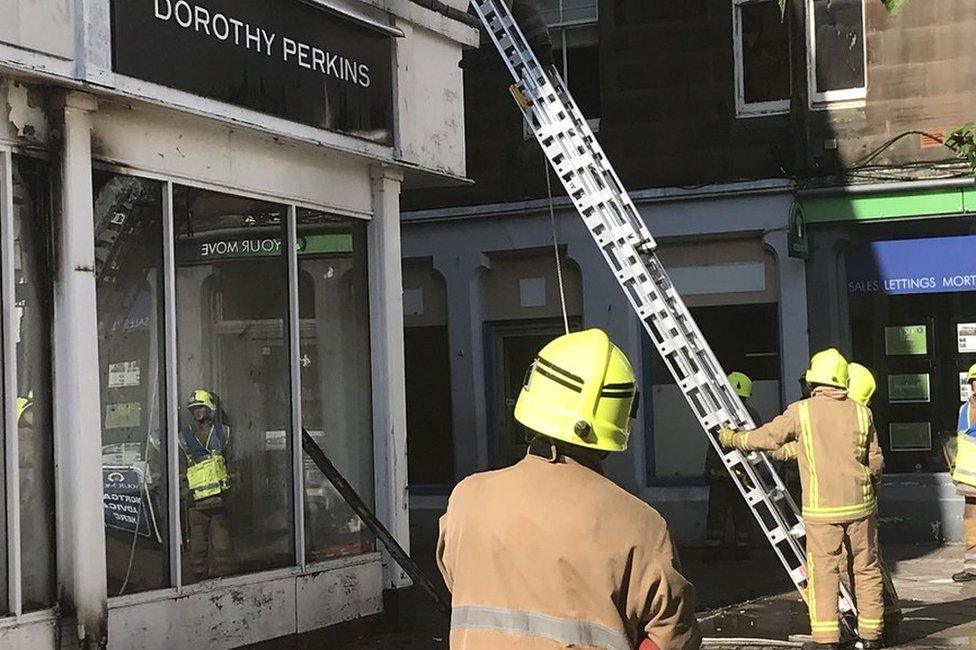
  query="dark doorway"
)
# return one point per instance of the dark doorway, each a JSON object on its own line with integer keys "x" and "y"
{"x": 511, "y": 348}
{"x": 430, "y": 428}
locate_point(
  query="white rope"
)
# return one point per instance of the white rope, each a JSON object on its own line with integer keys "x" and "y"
{"x": 555, "y": 248}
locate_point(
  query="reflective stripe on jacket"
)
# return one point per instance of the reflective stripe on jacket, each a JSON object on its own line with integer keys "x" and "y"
{"x": 837, "y": 451}
{"x": 551, "y": 554}
{"x": 965, "y": 469}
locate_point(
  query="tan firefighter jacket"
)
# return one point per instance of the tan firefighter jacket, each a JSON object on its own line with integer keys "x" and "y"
{"x": 837, "y": 451}
{"x": 552, "y": 554}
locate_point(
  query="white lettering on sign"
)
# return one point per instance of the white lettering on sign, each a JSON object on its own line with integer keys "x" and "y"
{"x": 240, "y": 247}
{"x": 255, "y": 38}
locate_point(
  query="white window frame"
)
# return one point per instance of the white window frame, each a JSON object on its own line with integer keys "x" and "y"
{"x": 576, "y": 23}
{"x": 833, "y": 99}
{"x": 742, "y": 107}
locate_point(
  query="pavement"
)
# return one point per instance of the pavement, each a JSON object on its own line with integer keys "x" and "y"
{"x": 742, "y": 604}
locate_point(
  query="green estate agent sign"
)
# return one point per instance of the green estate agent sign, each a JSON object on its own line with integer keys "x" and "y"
{"x": 909, "y": 388}
{"x": 910, "y": 436}
{"x": 906, "y": 339}
{"x": 196, "y": 251}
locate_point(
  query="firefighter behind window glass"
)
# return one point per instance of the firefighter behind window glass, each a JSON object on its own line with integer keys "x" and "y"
{"x": 550, "y": 552}
{"x": 840, "y": 464}
{"x": 723, "y": 495}
{"x": 964, "y": 476}
{"x": 205, "y": 445}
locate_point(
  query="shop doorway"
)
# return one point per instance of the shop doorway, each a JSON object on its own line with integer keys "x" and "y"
{"x": 511, "y": 348}
{"x": 430, "y": 427}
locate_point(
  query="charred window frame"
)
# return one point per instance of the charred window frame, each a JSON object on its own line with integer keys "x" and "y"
{"x": 761, "y": 41}
{"x": 836, "y": 53}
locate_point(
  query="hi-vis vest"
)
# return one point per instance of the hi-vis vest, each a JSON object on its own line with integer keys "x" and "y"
{"x": 207, "y": 470}
{"x": 965, "y": 471}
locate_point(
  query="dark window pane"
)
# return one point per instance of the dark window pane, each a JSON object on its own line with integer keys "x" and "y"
{"x": 583, "y": 77}
{"x": 335, "y": 363}
{"x": 765, "y": 53}
{"x": 743, "y": 338}
{"x": 234, "y": 384}
{"x": 32, "y": 323}
{"x": 129, "y": 286}
{"x": 839, "y": 33}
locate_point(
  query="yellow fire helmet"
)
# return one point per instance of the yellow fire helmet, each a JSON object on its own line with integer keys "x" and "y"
{"x": 201, "y": 397}
{"x": 741, "y": 384}
{"x": 971, "y": 375}
{"x": 862, "y": 385}
{"x": 829, "y": 368}
{"x": 24, "y": 403}
{"x": 581, "y": 390}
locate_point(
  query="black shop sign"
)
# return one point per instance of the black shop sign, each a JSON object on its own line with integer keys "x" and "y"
{"x": 281, "y": 57}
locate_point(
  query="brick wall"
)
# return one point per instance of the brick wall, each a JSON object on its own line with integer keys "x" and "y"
{"x": 668, "y": 101}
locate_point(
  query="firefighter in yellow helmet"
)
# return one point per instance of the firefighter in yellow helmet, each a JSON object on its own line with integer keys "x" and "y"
{"x": 550, "y": 552}
{"x": 723, "y": 495}
{"x": 205, "y": 443}
{"x": 964, "y": 476}
{"x": 840, "y": 462}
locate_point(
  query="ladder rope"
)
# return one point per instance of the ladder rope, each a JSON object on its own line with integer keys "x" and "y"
{"x": 555, "y": 249}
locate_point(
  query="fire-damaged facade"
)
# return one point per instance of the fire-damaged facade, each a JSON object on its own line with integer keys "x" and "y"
{"x": 200, "y": 261}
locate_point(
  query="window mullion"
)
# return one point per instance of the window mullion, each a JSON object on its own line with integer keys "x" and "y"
{"x": 294, "y": 357}
{"x": 172, "y": 397}
{"x": 11, "y": 439}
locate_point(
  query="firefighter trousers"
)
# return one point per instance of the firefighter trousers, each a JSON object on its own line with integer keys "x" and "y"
{"x": 211, "y": 551}
{"x": 723, "y": 499}
{"x": 825, "y": 543}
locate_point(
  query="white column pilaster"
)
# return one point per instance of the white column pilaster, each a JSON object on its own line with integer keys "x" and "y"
{"x": 389, "y": 392}
{"x": 77, "y": 422}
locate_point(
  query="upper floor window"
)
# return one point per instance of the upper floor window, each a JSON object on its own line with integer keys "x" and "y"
{"x": 762, "y": 58}
{"x": 560, "y": 13}
{"x": 836, "y": 51}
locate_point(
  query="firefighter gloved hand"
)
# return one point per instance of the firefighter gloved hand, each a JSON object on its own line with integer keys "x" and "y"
{"x": 726, "y": 438}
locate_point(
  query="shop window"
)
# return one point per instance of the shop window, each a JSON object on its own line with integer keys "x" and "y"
{"x": 744, "y": 338}
{"x": 233, "y": 379}
{"x": 31, "y": 325}
{"x": 836, "y": 50}
{"x": 335, "y": 378}
{"x": 129, "y": 284}
{"x": 762, "y": 58}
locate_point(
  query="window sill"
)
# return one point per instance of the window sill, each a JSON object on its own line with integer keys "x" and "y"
{"x": 170, "y": 593}
{"x": 748, "y": 112}
{"x": 838, "y": 105}
{"x": 30, "y": 618}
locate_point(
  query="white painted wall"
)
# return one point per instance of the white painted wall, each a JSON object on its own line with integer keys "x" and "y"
{"x": 430, "y": 100}
{"x": 246, "y": 610}
{"x": 181, "y": 146}
{"x": 679, "y": 445}
{"x": 41, "y": 25}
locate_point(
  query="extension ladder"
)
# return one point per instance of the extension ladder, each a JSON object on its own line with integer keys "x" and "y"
{"x": 627, "y": 244}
